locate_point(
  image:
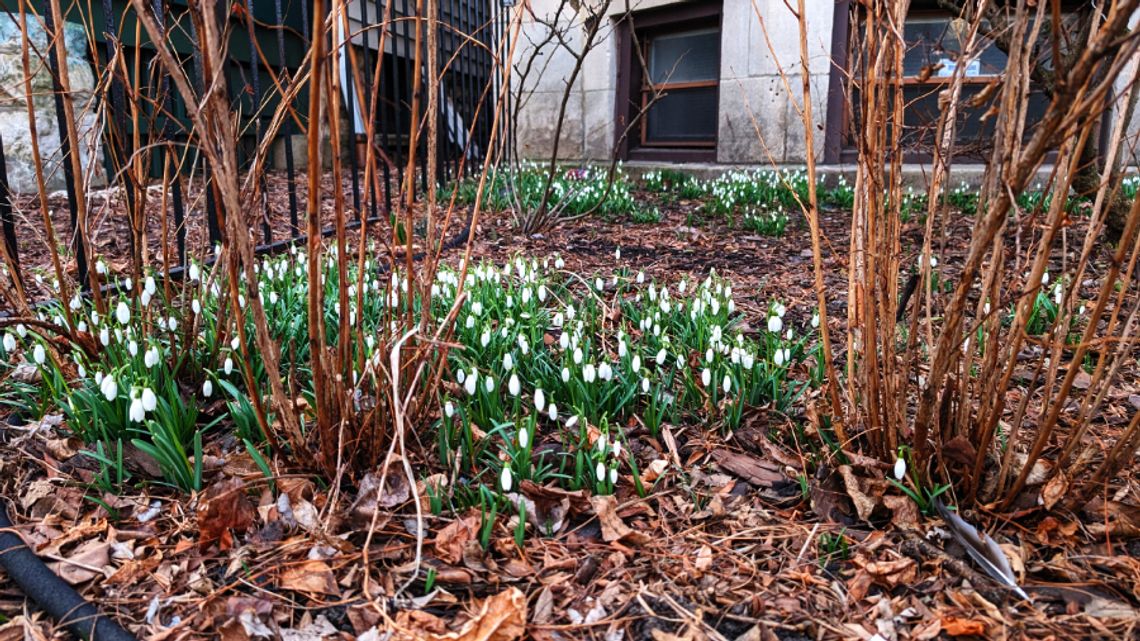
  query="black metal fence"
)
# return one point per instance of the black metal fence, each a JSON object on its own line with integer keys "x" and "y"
{"x": 267, "y": 45}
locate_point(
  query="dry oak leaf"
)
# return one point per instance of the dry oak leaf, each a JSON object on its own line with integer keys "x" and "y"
{"x": 957, "y": 627}
{"x": 225, "y": 509}
{"x": 85, "y": 563}
{"x": 613, "y": 528}
{"x": 500, "y": 617}
{"x": 452, "y": 539}
{"x": 312, "y": 577}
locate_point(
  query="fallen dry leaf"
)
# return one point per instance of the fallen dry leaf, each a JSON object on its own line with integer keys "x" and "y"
{"x": 613, "y": 528}
{"x": 224, "y": 510}
{"x": 958, "y": 627}
{"x": 88, "y": 561}
{"x": 312, "y": 577}
{"x": 452, "y": 539}
{"x": 500, "y": 617}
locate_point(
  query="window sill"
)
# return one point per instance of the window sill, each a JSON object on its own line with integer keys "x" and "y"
{"x": 672, "y": 154}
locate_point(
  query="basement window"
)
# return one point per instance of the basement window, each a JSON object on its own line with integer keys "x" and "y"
{"x": 676, "y": 91}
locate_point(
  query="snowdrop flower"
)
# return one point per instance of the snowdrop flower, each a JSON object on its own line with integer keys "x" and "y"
{"x": 137, "y": 414}
{"x": 636, "y": 363}
{"x": 775, "y": 324}
{"x": 644, "y": 385}
{"x": 599, "y": 284}
{"x": 208, "y": 388}
{"x": 661, "y": 356}
{"x": 505, "y": 479}
{"x": 228, "y": 366}
{"x": 781, "y": 310}
{"x": 577, "y": 355}
{"x": 194, "y": 273}
{"x": 485, "y": 339}
{"x": 1045, "y": 278}
{"x": 726, "y": 385}
{"x": 469, "y": 384}
{"x": 616, "y": 449}
{"x": 617, "y": 254}
{"x": 508, "y": 362}
{"x": 706, "y": 377}
{"x": 150, "y": 359}
{"x": 21, "y": 330}
{"x": 489, "y": 383}
{"x": 589, "y": 373}
{"x": 605, "y": 372}
{"x": 815, "y": 320}
{"x": 273, "y": 298}
{"x": 559, "y": 263}
{"x": 513, "y": 385}
{"x": 123, "y": 313}
{"x": 9, "y": 342}
{"x": 552, "y": 412}
{"x": 778, "y": 358}
{"x": 76, "y": 303}
{"x": 105, "y": 336}
{"x": 149, "y": 400}
{"x": 235, "y": 343}
{"x": 524, "y": 346}
{"x": 39, "y": 355}
{"x": 470, "y": 322}
{"x": 477, "y": 308}
{"x": 565, "y": 374}
{"x": 900, "y": 469}
{"x": 196, "y": 306}
{"x": 572, "y": 422}
{"x": 149, "y": 286}
{"x": 600, "y": 471}
{"x": 542, "y": 293}
{"x": 558, "y": 320}
{"x": 622, "y": 349}
{"x": 640, "y": 277}
{"x": 448, "y": 409}
{"x": 539, "y": 399}
{"x": 524, "y": 438}
{"x": 109, "y": 388}
{"x": 709, "y": 355}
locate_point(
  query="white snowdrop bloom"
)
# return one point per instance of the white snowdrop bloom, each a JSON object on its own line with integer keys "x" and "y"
{"x": 105, "y": 336}
{"x": 552, "y": 412}
{"x": 613, "y": 476}
{"x": 508, "y": 362}
{"x": 790, "y": 334}
{"x": 513, "y": 385}
{"x": 485, "y": 339}
{"x": 652, "y": 292}
{"x": 778, "y": 358}
{"x": 656, "y": 329}
{"x": 82, "y": 326}
{"x": 149, "y": 285}
{"x": 542, "y": 293}
{"x": 101, "y": 268}
{"x": 172, "y": 323}
{"x": 559, "y": 263}
{"x": 82, "y": 371}
{"x": 636, "y": 363}
{"x": 524, "y": 346}
{"x": 526, "y": 295}
{"x": 1058, "y": 293}
{"x": 136, "y": 413}
{"x": 489, "y": 383}
{"x": 640, "y": 277}
{"x": 564, "y": 341}
{"x": 194, "y": 273}
{"x": 273, "y": 298}
{"x": 469, "y": 384}
{"x": 133, "y": 348}
{"x": 775, "y": 324}
{"x": 123, "y": 313}
{"x": 477, "y": 308}
{"x": 787, "y": 355}
{"x": 150, "y": 358}
{"x": 208, "y": 388}
{"x": 161, "y": 322}
{"x": 570, "y": 312}
{"x": 644, "y": 385}
{"x": 539, "y": 399}
{"x": 617, "y": 254}
{"x": 577, "y": 355}
{"x": 781, "y": 310}
{"x": 39, "y": 355}
{"x": 1081, "y": 311}
{"x": 726, "y": 384}
{"x": 600, "y": 471}
{"x": 709, "y": 355}
{"x": 461, "y": 376}
{"x": 558, "y": 320}
{"x": 228, "y": 366}
{"x": 76, "y": 303}
{"x": 241, "y": 301}
{"x": 22, "y": 330}
{"x": 448, "y": 409}
{"x": 505, "y": 479}
{"x": 900, "y": 469}
{"x": 615, "y": 449}
{"x": 599, "y": 284}
{"x": 109, "y": 388}
{"x": 149, "y": 400}
{"x": 706, "y": 377}
{"x": 622, "y": 349}
{"x": 1045, "y": 278}
{"x": 565, "y": 374}
{"x": 9, "y": 342}
{"x": 524, "y": 438}
{"x": 682, "y": 286}
{"x": 715, "y": 305}
{"x": 589, "y": 373}
{"x": 986, "y": 308}
{"x": 470, "y": 322}
{"x": 196, "y": 306}
{"x": 605, "y": 372}
{"x": 661, "y": 356}
{"x": 235, "y": 343}
{"x": 815, "y": 320}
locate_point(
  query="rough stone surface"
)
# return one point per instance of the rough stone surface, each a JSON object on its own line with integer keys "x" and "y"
{"x": 14, "y": 125}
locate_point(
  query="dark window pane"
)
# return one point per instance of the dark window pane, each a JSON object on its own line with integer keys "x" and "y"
{"x": 691, "y": 56}
{"x": 932, "y": 40}
{"x": 683, "y": 116}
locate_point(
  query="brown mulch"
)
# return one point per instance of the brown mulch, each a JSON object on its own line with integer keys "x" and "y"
{"x": 730, "y": 544}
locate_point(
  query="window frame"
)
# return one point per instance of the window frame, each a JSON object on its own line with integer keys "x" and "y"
{"x": 632, "y": 89}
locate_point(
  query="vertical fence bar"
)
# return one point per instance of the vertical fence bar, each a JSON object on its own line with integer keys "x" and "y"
{"x": 255, "y": 78}
{"x": 421, "y": 140}
{"x": 167, "y": 136}
{"x": 7, "y": 221}
{"x": 366, "y": 101}
{"x": 348, "y": 93}
{"x": 287, "y": 129}
{"x": 118, "y": 149}
{"x": 399, "y": 77}
{"x": 386, "y": 84}
{"x": 66, "y": 148}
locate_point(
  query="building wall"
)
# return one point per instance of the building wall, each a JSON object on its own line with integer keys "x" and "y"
{"x": 757, "y": 121}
